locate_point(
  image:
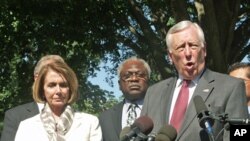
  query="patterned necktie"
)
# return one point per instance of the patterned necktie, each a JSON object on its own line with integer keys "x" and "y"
{"x": 131, "y": 114}
{"x": 180, "y": 106}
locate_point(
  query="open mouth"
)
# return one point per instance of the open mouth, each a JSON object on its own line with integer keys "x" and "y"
{"x": 190, "y": 64}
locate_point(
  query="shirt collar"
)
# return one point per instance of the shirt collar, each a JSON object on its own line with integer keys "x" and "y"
{"x": 138, "y": 102}
{"x": 194, "y": 81}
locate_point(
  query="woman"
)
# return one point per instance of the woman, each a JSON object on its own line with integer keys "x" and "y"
{"x": 57, "y": 87}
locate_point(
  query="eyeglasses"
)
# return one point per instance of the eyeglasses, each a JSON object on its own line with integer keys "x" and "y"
{"x": 128, "y": 76}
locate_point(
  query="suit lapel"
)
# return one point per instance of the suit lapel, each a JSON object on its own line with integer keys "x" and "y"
{"x": 166, "y": 98}
{"x": 204, "y": 89}
{"x": 116, "y": 117}
{"x": 32, "y": 109}
{"x": 205, "y": 85}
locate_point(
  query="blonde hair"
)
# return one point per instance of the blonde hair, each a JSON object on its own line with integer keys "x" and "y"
{"x": 46, "y": 60}
{"x": 63, "y": 69}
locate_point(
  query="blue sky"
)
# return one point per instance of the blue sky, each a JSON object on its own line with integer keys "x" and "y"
{"x": 100, "y": 80}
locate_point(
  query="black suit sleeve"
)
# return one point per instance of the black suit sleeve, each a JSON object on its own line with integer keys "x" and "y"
{"x": 11, "y": 123}
{"x": 14, "y": 116}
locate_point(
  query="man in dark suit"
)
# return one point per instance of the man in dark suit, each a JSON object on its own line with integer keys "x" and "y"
{"x": 14, "y": 116}
{"x": 133, "y": 80}
{"x": 242, "y": 70}
{"x": 221, "y": 93}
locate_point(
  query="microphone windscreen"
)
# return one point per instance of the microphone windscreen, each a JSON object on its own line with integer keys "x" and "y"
{"x": 144, "y": 123}
{"x": 202, "y": 112}
{"x": 169, "y": 131}
{"x": 199, "y": 104}
{"x": 124, "y": 131}
{"x": 162, "y": 137}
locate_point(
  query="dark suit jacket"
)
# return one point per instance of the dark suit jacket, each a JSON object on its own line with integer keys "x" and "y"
{"x": 221, "y": 93}
{"x": 110, "y": 121}
{"x": 14, "y": 116}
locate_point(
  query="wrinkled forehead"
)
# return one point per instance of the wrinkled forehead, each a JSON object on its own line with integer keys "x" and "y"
{"x": 240, "y": 73}
{"x": 133, "y": 65}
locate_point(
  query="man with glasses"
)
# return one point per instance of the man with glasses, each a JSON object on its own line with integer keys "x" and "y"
{"x": 134, "y": 74}
{"x": 242, "y": 70}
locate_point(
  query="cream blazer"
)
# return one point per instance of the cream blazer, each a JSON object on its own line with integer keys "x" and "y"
{"x": 85, "y": 127}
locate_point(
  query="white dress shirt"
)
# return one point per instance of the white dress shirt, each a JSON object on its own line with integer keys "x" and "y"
{"x": 191, "y": 87}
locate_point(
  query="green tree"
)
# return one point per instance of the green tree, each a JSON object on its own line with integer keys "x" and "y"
{"x": 32, "y": 29}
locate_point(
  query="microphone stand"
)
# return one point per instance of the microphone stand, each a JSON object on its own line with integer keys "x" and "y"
{"x": 210, "y": 133}
{"x": 206, "y": 122}
{"x": 222, "y": 118}
{"x": 141, "y": 137}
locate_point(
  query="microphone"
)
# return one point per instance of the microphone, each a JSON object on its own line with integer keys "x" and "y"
{"x": 124, "y": 131}
{"x": 140, "y": 128}
{"x": 166, "y": 133}
{"x": 238, "y": 121}
{"x": 141, "y": 137}
{"x": 205, "y": 121}
{"x": 151, "y": 137}
{"x": 223, "y": 118}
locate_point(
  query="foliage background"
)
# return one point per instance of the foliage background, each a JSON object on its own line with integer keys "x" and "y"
{"x": 89, "y": 32}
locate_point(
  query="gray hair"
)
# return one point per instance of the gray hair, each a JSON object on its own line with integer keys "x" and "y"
{"x": 134, "y": 58}
{"x": 181, "y": 26}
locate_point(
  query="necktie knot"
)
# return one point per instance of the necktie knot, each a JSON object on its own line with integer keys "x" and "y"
{"x": 185, "y": 82}
{"x": 132, "y": 106}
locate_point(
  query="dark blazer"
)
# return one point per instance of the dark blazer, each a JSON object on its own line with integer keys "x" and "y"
{"x": 110, "y": 121}
{"x": 221, "y": 93}
{"x": 14, "y": 116}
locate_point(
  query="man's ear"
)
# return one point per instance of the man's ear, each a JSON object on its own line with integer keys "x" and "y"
{"x": 205, "y": 49}
{"x": 169, "y": 55}
{"x": 169, "y": 58}
{"x": 119, "y": 82}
